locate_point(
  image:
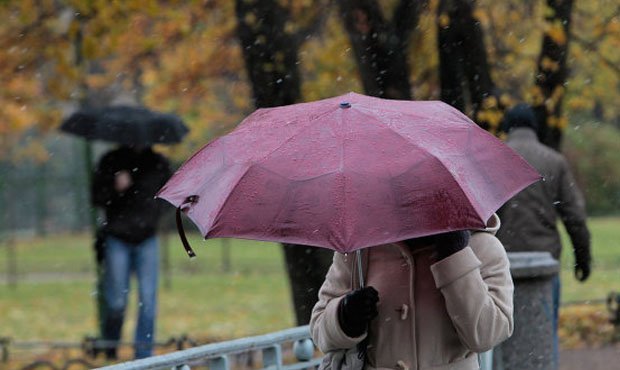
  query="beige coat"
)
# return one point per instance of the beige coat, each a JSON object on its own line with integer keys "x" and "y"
{"x": 431, "y": 315}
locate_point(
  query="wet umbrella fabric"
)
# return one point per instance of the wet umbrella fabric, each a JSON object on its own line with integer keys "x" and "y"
{"x": 126, "y": 125}
{"x": 348, "y": 172}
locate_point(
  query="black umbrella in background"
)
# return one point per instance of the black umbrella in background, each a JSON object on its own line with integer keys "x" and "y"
{"x": 126, "y": 125}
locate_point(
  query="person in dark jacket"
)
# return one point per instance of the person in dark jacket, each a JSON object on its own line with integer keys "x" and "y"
{"x": 124, "y": 185}
{"x": 529, "y": 220}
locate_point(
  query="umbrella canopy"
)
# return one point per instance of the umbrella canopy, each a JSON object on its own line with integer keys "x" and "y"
{"x": 347, "y": 173}
{"x": 126, "y": 125}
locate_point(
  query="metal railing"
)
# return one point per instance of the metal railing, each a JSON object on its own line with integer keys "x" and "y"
{"x": 216, "y": 356}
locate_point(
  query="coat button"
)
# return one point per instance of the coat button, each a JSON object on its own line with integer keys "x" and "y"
{"x": 404, "y": 311}
{"x": 402, "y": 365}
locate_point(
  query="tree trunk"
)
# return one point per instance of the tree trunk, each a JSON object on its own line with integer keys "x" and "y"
{"x": 380, "y": 46}
{"x": 553, "y": 72}
{"x": 269, "y": 51}
{"x": 270, "y": 54}
{"x": 464, "y": 72}
{"x": 451, "y": 74}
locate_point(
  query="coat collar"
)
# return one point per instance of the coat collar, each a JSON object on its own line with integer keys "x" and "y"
{"x": 493, "y": 225}
{"x": 522, "y": 133}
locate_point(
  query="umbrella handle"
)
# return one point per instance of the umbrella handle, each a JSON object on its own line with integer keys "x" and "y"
{"x": 360, "y": 272}
{"x": 188, "y": 202}
{"x": 188, "y": 248}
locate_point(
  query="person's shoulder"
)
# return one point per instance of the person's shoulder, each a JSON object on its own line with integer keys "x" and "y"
{"x": 155, "y": 159}
{"x": 488, "y": 248}
{"x": 484, "y": 239}
{"x": 484, "y": 242}
{"x": 549, "y": 154}
{"x": 114, "y": 155}
{"x": 158, "y": 156}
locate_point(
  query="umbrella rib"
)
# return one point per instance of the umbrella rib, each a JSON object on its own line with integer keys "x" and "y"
{"x": 227, "y": 198}
{"x": 344, "y": 179}
{"x": 298, "y": 132}
{"x": 413, "y": 114}
{"x": 431, "y": 154}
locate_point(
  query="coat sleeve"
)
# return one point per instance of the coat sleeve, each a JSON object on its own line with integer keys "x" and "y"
{"x": 572, "y": 210}
{"x": 102, "y": 189}
{"x": 324, "y": 325}
{"x": 478, "y": 289}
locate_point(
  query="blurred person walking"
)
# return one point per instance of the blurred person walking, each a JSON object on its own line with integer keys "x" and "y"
{"x": 124, "y": 185}
{"x": 529, "y": 219}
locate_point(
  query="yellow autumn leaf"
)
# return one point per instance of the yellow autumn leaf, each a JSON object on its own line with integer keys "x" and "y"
{"x": 549, "y": 64}
{"x": 552, "y": 121}
{"x": 481, "y": 15}
{"x": 562, "y": 123}
{"x": 494, "y": 118}
{"x": 555, "y": 32}
{"x": 443, "y": 20}
{"x": 548, "y": 12}
{"x": 505, "y": 100}
{"x": 536, "y": 96}
{"x": 489, "y": 102}
{"x": 579, "y": 103}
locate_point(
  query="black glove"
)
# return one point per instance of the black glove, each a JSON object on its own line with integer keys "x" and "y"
{"x": 582, "y": 263}
{"x": 449, "y": 243}
{"x": 357, "y": 309}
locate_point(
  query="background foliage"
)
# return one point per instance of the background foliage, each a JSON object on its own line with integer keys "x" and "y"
{"x": 183, "y": 56}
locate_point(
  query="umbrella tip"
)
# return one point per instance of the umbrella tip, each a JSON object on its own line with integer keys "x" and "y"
{"x": 345, "y": 104}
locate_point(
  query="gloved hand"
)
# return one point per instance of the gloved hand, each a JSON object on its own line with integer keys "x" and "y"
{"x": 449, "y": 243}
{"x": 357, "y": 309}
{"x": 582, "y": 264}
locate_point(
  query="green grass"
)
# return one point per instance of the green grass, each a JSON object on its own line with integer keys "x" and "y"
{"x": 71, "y": 254}
{"x": 202, "y": 301}
{"x": 605, "y": 267}
{"x": 205, "y": 307}
{"x": 54, "y": 297}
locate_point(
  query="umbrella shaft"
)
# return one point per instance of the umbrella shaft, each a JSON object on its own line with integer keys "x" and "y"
{"x": 358, "y": 255}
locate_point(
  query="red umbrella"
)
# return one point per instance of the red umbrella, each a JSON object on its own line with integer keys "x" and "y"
{"x": 348, "y": 172}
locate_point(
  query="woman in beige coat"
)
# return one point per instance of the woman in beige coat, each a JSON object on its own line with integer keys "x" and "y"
{"x": 433, "y": 303}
